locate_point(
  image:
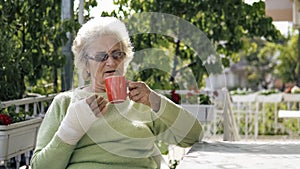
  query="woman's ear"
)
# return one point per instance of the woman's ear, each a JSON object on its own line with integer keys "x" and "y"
{"x": 86, "y": 72}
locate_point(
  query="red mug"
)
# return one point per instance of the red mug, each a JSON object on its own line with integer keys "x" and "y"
{"x": 116, "y": 89}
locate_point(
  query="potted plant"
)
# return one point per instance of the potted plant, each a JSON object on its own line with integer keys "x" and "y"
{"x": 18, "y": 132}
{"x": 200, "y": 105}
{"x": 292, "y": 95}
{"x": 243, "y": 95}
{"x": 206, "y": 108}
{"x": 269, "y": 96}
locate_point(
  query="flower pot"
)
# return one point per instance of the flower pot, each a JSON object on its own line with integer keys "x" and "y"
{"x": 18, "y": 138}
{"x": 244, "y": 98}
{"x": 291, "y": 97}
{"x": 204, "y": 113}
{"x": 271, "y": 98}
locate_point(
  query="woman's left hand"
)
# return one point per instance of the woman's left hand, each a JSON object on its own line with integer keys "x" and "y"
{"x": 141, "y": 93}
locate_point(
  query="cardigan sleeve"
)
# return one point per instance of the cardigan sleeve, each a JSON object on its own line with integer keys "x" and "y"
{"x": 175, "y": 125}
{"x": 50, "y": 149}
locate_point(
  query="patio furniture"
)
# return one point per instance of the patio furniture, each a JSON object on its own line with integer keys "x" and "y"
{"x": 292, "y": 112}
{"x": 289, "y": 114}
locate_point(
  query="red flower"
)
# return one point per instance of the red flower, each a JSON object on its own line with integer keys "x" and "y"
{"x": 175, "y": 97}
{"x": 288, "y": 90}
{"x": 5, "y": 119}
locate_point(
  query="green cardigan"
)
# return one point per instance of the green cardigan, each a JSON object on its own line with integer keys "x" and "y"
{"x": 124, "y": 137}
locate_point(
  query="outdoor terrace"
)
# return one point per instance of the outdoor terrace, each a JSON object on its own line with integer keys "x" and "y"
{"x": 230, "y": 121}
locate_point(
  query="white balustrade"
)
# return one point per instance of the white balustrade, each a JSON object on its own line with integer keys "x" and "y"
{"x": 293, "y": 108}
{"x": 247, "y": 102}
{"x": 9, "y": 141}
{"x": 244, "y": 106}
{"x": 263, "y": 99}
{"x": 247, "y": 106}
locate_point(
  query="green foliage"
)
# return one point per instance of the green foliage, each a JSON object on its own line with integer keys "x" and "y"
{"x": 260, "y": 62}
{"x": 197, "y": 98}
{"x": 173, "y": 164}
{"x": 241, "y": 91}
{"x": 204, "y": 99}
{"x": 15, "y": 117}
{"x": 88, "y": 4}
{"x": 153, "y": 69}
{"x": 225, "y": 23}
{"x": 268, "y": 92}
{"x": 268, "y": 61}
{"x": 287, "y": 61}
{"x": 32, "y": 34}
{"x": 266, "y": 127}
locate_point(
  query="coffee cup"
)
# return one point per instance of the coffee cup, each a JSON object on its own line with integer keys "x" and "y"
{"x": 116, "y": 89}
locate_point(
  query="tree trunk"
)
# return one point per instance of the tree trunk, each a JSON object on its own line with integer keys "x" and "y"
{"x": 66, "y": 76}
{"x": 298, "y": 79}
{"x": 175, "y": 62}
{"x": 81, "y": 21}
{"x": 80, "y": 12}
{"x": 55, "y": 79}
{"x": 22, "y": 86}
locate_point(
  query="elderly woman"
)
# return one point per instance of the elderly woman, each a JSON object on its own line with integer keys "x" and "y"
{"x": 82, "y": 130}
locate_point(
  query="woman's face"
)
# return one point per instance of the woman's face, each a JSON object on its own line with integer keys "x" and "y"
{"x": 106, "y": 44}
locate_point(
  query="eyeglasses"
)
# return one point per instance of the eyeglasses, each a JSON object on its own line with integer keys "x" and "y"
{"x": 102, "y": 56}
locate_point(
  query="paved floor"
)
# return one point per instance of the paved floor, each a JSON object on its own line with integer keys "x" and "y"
{"x": 177, "y": 153}
{"x": 243, "y": 155}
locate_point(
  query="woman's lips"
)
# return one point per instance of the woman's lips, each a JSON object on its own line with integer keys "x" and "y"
{"x": 110, "y": 71}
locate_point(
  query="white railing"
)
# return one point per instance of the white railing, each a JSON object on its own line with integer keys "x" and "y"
{"x": 247, "y": 109}
{"x": 204, "y": 113}
{"x": 37, "y": 102}
{"x": 22, "y": 132}
{"x": 250, "y": 111}
{"x": 253, "y": 109}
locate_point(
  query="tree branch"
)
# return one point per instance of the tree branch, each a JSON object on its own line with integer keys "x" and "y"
{"x": 185, "y": 67}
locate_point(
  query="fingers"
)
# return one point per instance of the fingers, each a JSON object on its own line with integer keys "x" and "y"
{"x": 101, "y": 103}
{"x": 97, "y": 104}
{"x": 139, "y": 92}
{"x": 90, "y": 99}
{"x": 135, "y": 85}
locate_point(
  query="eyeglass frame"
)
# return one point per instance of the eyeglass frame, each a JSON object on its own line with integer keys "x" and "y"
{"x": 106, "y": 55}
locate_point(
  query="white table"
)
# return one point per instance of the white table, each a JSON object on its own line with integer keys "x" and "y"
{"x": 242, "y": 155}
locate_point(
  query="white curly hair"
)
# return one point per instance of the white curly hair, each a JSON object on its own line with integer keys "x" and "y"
{"x": 93, "y": 29}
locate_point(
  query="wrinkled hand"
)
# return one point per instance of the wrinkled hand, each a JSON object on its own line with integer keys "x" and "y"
{"x": 80, "y": 116}
{"x": 141, "y": 93}
{"x": 98, "y": 104}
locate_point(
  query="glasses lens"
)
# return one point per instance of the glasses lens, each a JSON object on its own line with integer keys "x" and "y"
{"x": 118, "y": 55}
{"x": 101, "y": 57}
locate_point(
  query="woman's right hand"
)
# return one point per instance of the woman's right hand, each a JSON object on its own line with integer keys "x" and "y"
{"x": 98, "y": 104}
{"x": 80, "y": 116}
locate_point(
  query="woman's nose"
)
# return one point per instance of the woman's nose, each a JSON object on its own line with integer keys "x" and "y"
{"x": 110, "y": 61}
